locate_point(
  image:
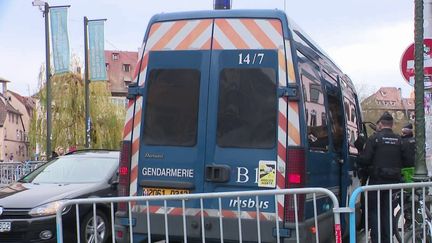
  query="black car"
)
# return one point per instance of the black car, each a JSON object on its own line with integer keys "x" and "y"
{"x": 28, "y": 207}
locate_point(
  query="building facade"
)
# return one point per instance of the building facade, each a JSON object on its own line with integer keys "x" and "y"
{"x": 120, "y": 66}
{"x": 389, "y": 99}
{"x": 15, "y": 116}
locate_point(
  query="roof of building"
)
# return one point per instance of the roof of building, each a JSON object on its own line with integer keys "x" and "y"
{"x": 28, "y": 102}
{"x": 4, "y": 80}
{"x": 388, "y": 93}
{"x": 389, "y": 98}
{"x": 6, "y": 107}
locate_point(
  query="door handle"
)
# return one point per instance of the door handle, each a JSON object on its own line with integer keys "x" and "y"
{"x": 217, "y": 173}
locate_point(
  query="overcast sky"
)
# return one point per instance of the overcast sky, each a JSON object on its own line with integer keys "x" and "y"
{"x": 365, "y": 38}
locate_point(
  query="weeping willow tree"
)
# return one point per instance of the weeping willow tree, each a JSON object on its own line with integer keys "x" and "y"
{"x": 68, "y": 115}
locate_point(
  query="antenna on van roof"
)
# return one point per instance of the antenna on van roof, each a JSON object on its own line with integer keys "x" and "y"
{"x": 221, "y": 4}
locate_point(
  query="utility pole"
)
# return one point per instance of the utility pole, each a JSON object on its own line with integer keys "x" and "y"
{"x": 420, "y": 163}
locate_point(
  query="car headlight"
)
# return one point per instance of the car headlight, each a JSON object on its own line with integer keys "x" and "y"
{"x": 48, "y": 209}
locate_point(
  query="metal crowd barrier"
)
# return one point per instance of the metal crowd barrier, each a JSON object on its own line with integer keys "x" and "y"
{"x": 410, "y": 216}
{"x": 182, "y": 199}
{"x": 12, "y": 171}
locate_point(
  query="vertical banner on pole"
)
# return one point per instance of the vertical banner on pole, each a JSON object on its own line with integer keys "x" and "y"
{"x": 97, "y": 50}
{"x": 60, "y": 39}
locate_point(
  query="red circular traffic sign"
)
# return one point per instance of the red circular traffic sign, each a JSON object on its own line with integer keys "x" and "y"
{"x": 407, "y": 61}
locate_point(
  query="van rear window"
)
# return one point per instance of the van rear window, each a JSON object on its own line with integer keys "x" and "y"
{"x": 247, "y": 108}
{"x": 171, "y": 114}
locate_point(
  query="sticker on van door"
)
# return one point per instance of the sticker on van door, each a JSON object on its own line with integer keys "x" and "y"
{"x": 267, "y": 173}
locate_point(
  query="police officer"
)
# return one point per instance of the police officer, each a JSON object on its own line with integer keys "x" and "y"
{"x": 385, "y": 155}
{"x": 363, "y": 171}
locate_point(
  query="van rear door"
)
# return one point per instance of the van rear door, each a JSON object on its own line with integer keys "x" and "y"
{"x": 242, "y": 124}
{"x": 173, "y": 136}
{"x": 242, "y": 119}
{"x": 247, "y": 64}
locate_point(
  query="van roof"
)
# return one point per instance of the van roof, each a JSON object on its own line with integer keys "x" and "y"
{"x": 243, "y": 13}
{"x": 208, "y": 14}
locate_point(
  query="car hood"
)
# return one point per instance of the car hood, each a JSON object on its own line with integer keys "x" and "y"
{"x": 29, "y": 195}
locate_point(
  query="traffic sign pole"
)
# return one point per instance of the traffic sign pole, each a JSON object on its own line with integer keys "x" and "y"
{"x": 421, "y": 53}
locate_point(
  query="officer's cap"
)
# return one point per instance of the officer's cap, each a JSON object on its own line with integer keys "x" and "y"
{"x": 386, "y": 116}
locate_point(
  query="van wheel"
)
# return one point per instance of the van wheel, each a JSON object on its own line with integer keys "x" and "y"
{"x": 103, "y": 230}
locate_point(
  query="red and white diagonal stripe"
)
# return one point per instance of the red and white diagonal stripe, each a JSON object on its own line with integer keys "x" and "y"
{"x": 176, "y": 35}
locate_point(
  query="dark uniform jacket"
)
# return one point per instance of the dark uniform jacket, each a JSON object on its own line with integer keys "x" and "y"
{"x": 384, "y": 154}
{"x": 410, "y": 144}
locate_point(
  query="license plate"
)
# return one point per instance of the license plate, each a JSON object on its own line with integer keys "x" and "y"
{"x": 5, "y": 226}
{"x": 151, "y": 191}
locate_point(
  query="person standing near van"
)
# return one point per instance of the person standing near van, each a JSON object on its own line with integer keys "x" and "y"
{"x": 363, "y": 171}
{"x": 385, "y": 154}
{"x": 410, "y": 142}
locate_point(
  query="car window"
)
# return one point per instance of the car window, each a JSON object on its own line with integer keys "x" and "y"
{"x": 73, "y": 170}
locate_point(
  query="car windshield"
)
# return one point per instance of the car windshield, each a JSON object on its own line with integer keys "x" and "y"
{"x": 73, "y": 169}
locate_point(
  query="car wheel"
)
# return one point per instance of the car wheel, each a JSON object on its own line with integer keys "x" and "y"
{"x": 102, "y": 228}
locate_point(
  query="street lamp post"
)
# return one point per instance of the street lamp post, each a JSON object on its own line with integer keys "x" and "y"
{"x": 46, "y": 8}
{"x": 86, "y": 86}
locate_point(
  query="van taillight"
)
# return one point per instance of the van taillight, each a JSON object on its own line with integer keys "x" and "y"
{"x": 295, "y": 178}
{"x": 124, "y": 168}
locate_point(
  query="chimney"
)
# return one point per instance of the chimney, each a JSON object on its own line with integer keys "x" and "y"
{"x": 4, "y": 88}
{"x": 4, "y": 82}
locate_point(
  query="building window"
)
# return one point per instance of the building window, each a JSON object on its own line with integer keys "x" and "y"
{"x": 17, "y": 117}
{"x": 115, "y": 56}
{"x": 126, "y": 68}
{"x": 315, "y": 91}
{"x": 107, "y": 66}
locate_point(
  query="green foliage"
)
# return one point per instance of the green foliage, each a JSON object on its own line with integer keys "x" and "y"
{"x": 68, "y": 115}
